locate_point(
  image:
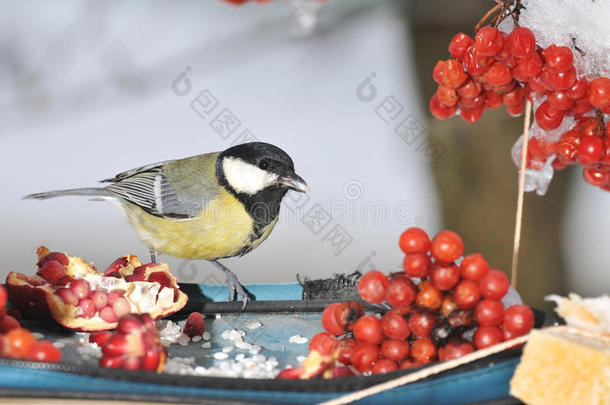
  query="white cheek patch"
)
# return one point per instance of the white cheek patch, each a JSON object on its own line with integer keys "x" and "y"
{"x": 245, "y": 177}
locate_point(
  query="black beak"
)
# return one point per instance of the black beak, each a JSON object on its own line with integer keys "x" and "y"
{"x": 294, "y": 182}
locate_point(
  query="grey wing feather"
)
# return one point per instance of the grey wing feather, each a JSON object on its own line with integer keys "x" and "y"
{"x": 154, "y": 188}
{"x": 132, "y": 172}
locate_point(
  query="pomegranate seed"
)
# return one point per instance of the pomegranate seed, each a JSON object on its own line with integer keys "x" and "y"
{"x": 131, "y": 363}
{"x": 135, "y": 277}
{"x": 108, "y": 315}
{"x": 81, "y": 288}
{"x": 121, "y": 307}
{"x": 151, "y": 359}
{"x": 100, "y": 299}
{"x": 111, "y": 362}
{"x": 67, "y": 296}
{"x": 57, "y": 256}
{"x": 143, "y": 268}
{"x": 99, "y": 338}
{"x": 65, "y": 281}
{"x": 128, "y": 324}
{"x": 161, "y": 278}
{"x": 52, "y": 271}
{"x": 113, "y": 295}
{"x": 117, "y": 265}
{"x": 86, "y": 308}
{"x": 116, "y": 345}
{"x": 194, "y": 325}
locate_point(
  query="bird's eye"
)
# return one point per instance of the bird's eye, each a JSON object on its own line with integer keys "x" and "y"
{"x": 263, "y": 164}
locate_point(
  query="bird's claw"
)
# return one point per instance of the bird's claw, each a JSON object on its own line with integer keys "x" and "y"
{"x": 234, "y": 285}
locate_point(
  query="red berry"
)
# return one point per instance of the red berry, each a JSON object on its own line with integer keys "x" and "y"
{"x": 429, "y": 296}
{"x": 466, "y": 294}
{"x": 548, "y": 117}
{"x": 590, "y": 150}
{"x": 455, "y": 349}
{"x": 489, "y": 312}
{"x": 470, "y": 89}
{"x": 514, "y": 97}
{"x": 530, "y": 67}
{"x": 396, "y": 350}
{"x": 324, "y": 343}
{"x": 437, "y": 72}
{"x": 447, "y": 96}
{"x": 471, "y": 115}
{"x": 558, "y": 58}
{"x": 400, "y": 291}
{"x": 492, "y": 99}
{"x": 414, "y": 240}
{"x": 596, "y": 177}
{"x": 459, "y": 44}
{"x": 409, "y": 364}
{"x": 476, "y": 63}
{"x": 515, "y": 110}
{"x": 421, "y": 323}
{"x": 578, "y": 90}
{"x": 447, "y": 246}
{"x": 477, "y": 102}
{"x": 558, "y": 81}
{"x": 423, "y": 350}
{"x": 394, "y": 326}
{"x": 383, "y": 366}
{"x": 560, "y": 101}
{"x": 452, "y": 74}
{"x": 417, "y": 265}
{"x": 599, "y": 92}
{"x": 518, "y": 320}
{"x": 347, "y": 313}
{"x": 18, "y": 342}
{"x": 363, "y": 356}
{"x": 494, "y": 285}
{"x": 372, "y": 287}
{"x": 498, "y": 75}
{"x": 44, "y": 351}
{"x": 368, "y": 329}
{"x": 346, "y": 345}
{"x": 486, "y": 336}
{"x": 474, "y": 267}
{"x": 488, "y": 41}
{"x": 329, "y": 320}
{"x": 521, "y": 42}
{"x": 444, "y": 276}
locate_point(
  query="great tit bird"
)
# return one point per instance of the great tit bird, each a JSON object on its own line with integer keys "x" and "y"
{"x": 209, "y": 206}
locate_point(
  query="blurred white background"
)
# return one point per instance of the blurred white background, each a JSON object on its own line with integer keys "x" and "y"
{"x": 86, "y": 93}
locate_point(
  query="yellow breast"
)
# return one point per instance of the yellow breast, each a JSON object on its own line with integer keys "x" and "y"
{"x": 223, "y": 229}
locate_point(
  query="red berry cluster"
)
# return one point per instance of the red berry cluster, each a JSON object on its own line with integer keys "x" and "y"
{"x": 134, "y": 345}
{"x": 498, "y": 68}
{"x": 19, "y": 343}
{"x": 427, "y": 320}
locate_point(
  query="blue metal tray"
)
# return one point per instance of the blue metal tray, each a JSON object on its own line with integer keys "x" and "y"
{"x": 283, "y": 313}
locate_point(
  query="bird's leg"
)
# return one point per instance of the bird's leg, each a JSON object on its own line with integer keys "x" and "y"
{"x": 233, "y": 284}
{"x": 153, "y": 256}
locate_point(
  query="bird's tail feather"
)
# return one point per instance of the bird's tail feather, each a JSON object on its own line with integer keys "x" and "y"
{"x": 91, "y": 191}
